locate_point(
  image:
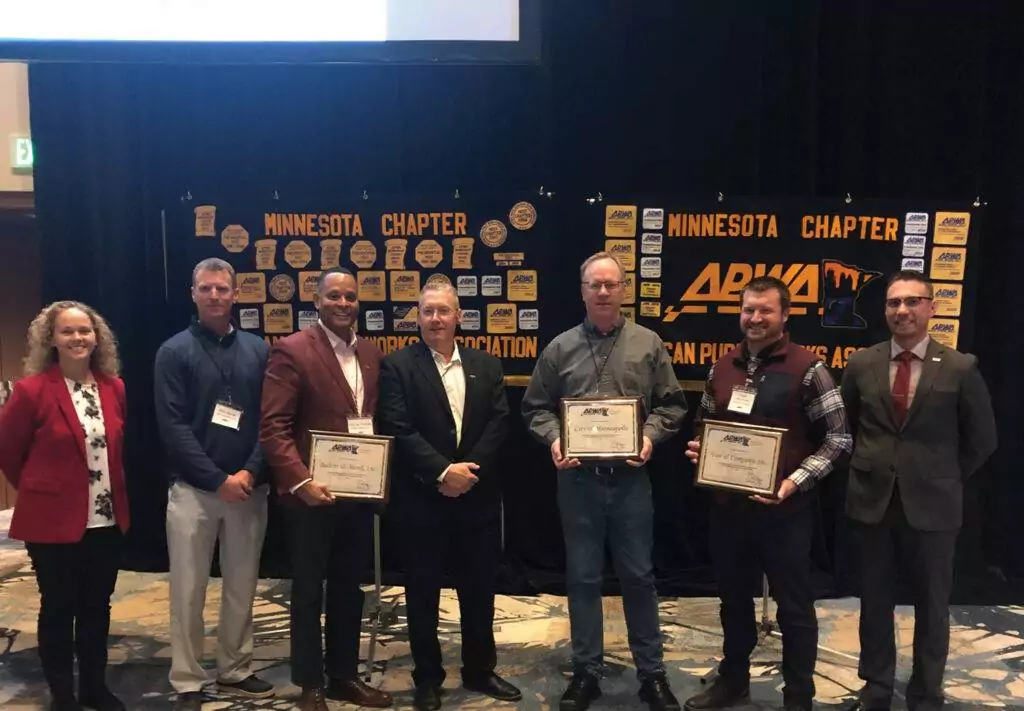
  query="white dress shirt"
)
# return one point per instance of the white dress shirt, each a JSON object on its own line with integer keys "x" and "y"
{"x": 346, "y": 355}
{"x": 915, "y": 366}
{"x": 349, "y": 364}
{"x": 453, "y": 377}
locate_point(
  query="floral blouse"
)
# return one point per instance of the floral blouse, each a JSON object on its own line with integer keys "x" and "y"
{"x": 86, "y": 398}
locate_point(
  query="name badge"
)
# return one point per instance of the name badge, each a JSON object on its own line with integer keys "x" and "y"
{"x": 360, "y": 425}
{"x": 226, "y": 415}
{"x": 742, "y": 400}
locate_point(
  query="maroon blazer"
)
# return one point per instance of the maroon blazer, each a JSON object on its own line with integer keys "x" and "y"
{"x": 304, "y": 389}
{"x": 42, "y": 454}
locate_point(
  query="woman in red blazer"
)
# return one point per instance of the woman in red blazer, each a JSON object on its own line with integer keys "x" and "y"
{"x": 61, "y": 436}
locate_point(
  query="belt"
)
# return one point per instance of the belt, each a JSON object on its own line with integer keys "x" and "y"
{"x": 607, "y": 470}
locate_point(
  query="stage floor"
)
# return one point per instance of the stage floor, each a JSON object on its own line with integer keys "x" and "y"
{"x": 986, "y": 662}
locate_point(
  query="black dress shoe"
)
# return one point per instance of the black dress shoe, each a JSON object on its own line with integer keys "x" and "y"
{"x": 100, "y": 699}
{"x": 64, "y": 702}
{"x": 582, "y": 691}
{"x": 189, "y": 701}
{"x": 861, "y": 706}
{"x": 655, "y": 692}
{"x": 494, "y": 686}
{"x": 427, "y": 698}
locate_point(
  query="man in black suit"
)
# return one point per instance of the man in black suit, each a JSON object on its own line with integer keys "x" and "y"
{"x": 922, "y": 422}
{"x": 446, "y": 409}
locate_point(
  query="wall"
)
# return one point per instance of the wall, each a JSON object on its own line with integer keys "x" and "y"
{"x": 19, "y": 245}
{"x": 13, "y": 121}
{"x": 20, "y": 295}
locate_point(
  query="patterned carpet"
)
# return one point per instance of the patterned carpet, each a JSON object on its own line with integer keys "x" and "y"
{"x": 986, "y": 665}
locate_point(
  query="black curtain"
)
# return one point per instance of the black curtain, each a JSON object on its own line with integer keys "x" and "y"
{"x": 887, "y": 98}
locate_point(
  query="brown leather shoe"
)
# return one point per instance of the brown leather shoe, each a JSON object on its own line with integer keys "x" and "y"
{"x": 356, "y": 692}
{"x": 312, "y": 699}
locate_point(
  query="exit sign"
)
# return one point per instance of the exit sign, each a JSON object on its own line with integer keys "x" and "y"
{"x": 21, "y": 153}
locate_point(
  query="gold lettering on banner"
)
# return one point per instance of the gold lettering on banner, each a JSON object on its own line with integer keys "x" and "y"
{"x": 711, "y": 285}
{"x": 707, "y": 352}
{"x": 759, "y": 226}
{"x": 423, "y": 224}
{"x": 865, "y": 227}
{"x": 312, "y": 225}
{"x": 507, "y": 347}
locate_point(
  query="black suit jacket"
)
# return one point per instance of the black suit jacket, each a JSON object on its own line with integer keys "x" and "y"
{"x": 948, "y": 434}
{"x": 414, "y": 410}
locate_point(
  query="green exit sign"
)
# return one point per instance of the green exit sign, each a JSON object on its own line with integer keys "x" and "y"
{"x": 21, "y": 153}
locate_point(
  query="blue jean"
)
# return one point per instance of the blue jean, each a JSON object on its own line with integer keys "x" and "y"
{"x": 612, "y": 505}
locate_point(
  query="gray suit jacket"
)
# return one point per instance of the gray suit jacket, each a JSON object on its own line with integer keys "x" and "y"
{"x": 948, "y": 434}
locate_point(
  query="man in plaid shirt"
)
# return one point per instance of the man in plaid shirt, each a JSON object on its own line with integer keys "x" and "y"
{"x": 768, "y": 380}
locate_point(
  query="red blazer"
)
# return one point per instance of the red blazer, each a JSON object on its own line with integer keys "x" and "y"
{"x": 42, "y": 454}
{"x": 304, "y": 389}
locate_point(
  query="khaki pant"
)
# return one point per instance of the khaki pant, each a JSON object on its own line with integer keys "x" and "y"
{"x": 195, "y": 520}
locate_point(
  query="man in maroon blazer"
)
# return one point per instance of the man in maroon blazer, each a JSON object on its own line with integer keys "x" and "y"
{"x": 323, "y": 378}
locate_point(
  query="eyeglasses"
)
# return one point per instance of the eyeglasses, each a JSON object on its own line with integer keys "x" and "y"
{"x": 910, "y": 302}
{"x": 596, "y": 285}
{"x": 441, "y": 311}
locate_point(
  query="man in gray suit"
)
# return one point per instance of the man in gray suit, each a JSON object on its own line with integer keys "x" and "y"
{"x": 922, "y": 422}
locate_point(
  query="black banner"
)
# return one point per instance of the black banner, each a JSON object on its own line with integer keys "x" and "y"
{"x": 687, "y": 260}
{"x": 491, "y": 248}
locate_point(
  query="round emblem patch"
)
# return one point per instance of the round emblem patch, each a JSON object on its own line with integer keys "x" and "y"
{"x": 522, "y": 216}
{"x": 439, "y": 279}
{"x": 493, "y": 233}
{"x": 282, "y": 287}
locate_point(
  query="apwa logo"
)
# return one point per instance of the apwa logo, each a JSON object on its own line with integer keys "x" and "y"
{"x": 348, "y": 448}
{"x": 741, "y": 440}
{"x": 831, "y": 288}
{"x": 600, "y": 411}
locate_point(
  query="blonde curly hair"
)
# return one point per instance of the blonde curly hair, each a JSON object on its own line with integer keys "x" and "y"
{"x": 42, "y": 354}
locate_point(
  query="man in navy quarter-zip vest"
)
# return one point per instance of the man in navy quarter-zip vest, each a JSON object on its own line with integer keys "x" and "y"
{"x": 207, "y": 381}
{"x": 923, "y": 423}
{"x": 768, "y": 380}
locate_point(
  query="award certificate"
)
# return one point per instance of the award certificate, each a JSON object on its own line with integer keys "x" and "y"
{"x": 740, "y": 457}
{"x": 601, "y": 428}
{"x": 353, "y": 466}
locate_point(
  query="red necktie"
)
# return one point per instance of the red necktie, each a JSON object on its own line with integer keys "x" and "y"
{"x": 901, "y": 386}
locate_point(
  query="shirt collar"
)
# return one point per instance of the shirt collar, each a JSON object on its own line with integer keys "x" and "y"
{"x": 201, "y": 330}
{"x": 776, "y": 349}
{"x": 919, "y": 350}
{"x": 592, "y": 329}
{"x": 335, "y": 339}
{"x": 438, "y": 358}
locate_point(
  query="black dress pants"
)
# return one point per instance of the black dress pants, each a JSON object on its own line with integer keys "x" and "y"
{"x": 743, "y": 536}
{"x": 472, "y": 550}
{"x": 75, "y": 582}
{"x": 329, "y": 543}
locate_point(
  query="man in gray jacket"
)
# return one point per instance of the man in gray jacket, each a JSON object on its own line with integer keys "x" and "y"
{"x": 923, "y": 423}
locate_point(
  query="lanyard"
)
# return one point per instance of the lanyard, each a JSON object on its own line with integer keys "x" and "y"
{"x": 355, "y": 387}
{"x": 224, "y": 374}
{"x": 356, "y": 390}
{"x": 753, "y": 365}
{"x": 604, "y": 361}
